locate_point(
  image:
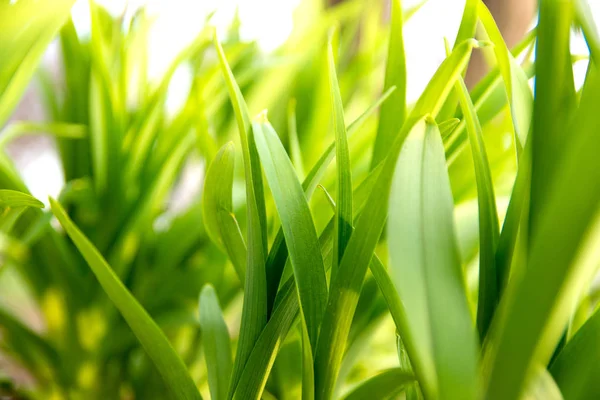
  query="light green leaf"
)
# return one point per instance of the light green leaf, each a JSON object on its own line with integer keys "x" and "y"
{"x": 14, "y": 199}
{"x": 217, "y": 209}
{"x": 426, "y": 267}
{"x": 393, "y": 112}
{"x": 215, "y": 342}
{"x": 297, "y": 224}
{"x": 59, "y": 129}
{"x": 154, "y": 341}
{"x": 254, "y": 311}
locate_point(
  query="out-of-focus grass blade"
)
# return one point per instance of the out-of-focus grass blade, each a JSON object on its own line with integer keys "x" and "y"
{"x": 393, "y": 112}
{"x": 489, "y": 230}
{"x": 343, "y": 296}
{"x": 532, "y": 317}
{"x": 28, "y": 27}
{"x": 515, "y": 80}
{"x": 14, "y": 199}
{"x": 583, "y": 13}
{"x": 215, "y": 341}
{"x": 217, "y": 208}
{"x": 343, "y": 211}
{"x": 254, "y": 311}
{"x": 543, "y": 387}
{"x": 426, "y": 266}
{"x": 59, "y": 129}
{"x": 278, "y": 253}
{"x": 577, "y": 366}
{"x": 554, "y": 101}
{"x": 297, "y": 224}
{"x": 166, "y": 360}
{"x": 384, "y": 385}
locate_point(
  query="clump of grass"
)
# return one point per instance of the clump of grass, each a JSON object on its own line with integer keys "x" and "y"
{"x": 480, "y": 260}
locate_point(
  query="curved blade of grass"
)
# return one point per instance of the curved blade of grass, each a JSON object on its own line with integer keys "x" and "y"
{"x": 278, "y": 253}
{"x": 254, "y": 311}
{"x": 543, "y": 387}
{"x": 586, "y": 21}
{"x": 577, "y": 366}
{"x": 345, "y": 288}
{"x": 426, "y": 267}
{"x": 59, "y": 129}
{"x": 295, "y": 150}
{"x": 554, "y": 101}
{"x": 308, "y": 372}
{"x": 215, "y": 341}
{"x": 489, "y": 230}
{"x": 382, "y": 386}
{"x": 217, "y": 208}
{"x": 520, "y": 98}
{"x": 532, "y": 317}
{"x": 297, "y": 224}
{"x": 154, "y": 341}
{"x": 27, "y": 28}
{"x": 343, "y": 211}
{"x": 14, "y": 199}
{"x": 393, "y": 112}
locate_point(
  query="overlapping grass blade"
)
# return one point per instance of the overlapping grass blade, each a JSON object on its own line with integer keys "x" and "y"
{"x": 489, "y": 230}
{"x": 520, "y": 98}
{"x": 217, "y": 209}
{"x": 384, "y": 385}
{"x": 578, "y": 364}
{"x": 27, "y": 29}
{"x": 58, "y": 129}
{"x": 215, "y": 342}
{"x": 343, "y": 211}
{"x": 393, "y": 112}
{"x": 254, "y": 311}
{"x": 343, "y": 295}
{"x": 554, "y": 102}
{"x": 426, "y": 267}
{"x": 584, "y": 18}
{"x": 166, "y": 360}
{"x": 308, "y": 372}
{"x": 14, "y": 199}
{"x": 532, "y": 317}
{"x": 297, "y": 224}
{"x": 278, "y": 253}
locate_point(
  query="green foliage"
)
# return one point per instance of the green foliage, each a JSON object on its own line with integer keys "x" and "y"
{"x": 478, "y": 265}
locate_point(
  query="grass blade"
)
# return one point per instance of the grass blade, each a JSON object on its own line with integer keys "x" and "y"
{"x": 166, "y": 360}
{"x": 577, "y": 366}
{"x": 489, "y": 230}
{"x": 384, "y": 385}
{"x": 426, "y": 267}
{"x": 343, "y": 296}
{"x": 215, "y": 341}
{"x": 527, "y": 334}
{"x": 297, "y": 224}
{"x": 343, "y": 211}
{"x": 254, "y": 312}
{"x": 217, "y": 209}
{"x": 14, "y": 199}
{"x": 393, "y": 112}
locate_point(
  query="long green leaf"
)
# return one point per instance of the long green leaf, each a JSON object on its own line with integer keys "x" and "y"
{"x": 217, "y": 209}
{"x": 343, "y": 296}
{"x": 489, "y": 230}
{"x": 532, "y": 317}
{"x": 393, "y": 112}
{"x": 254, "y": 311}
{"x": 215, "y": 342}
{"x": 426, "y": 267}
{"x": 297, "y": 224}
{"x": 343, "y": 211}
{"x": 14, "y": 199}
{"x": 154, "y": 341}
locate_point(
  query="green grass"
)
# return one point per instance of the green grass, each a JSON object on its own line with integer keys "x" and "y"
{"x": 450, "y": 252}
